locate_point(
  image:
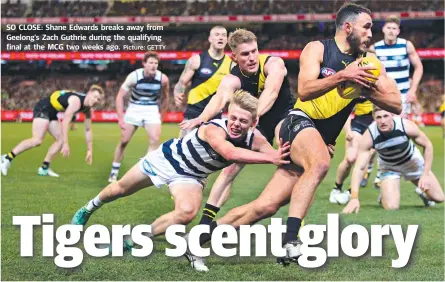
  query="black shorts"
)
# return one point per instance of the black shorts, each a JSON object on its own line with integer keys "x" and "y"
{"x": 292, "y": 125}
{"x": 360, "y": 123}
{"x": 45, "y": 110}
{"x": 443, "y": 114}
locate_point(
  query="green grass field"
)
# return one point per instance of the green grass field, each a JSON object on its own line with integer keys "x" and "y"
{"x": 25, "y": 193}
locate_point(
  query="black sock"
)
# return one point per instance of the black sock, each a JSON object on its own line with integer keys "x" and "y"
{"x": 338, "y": 186}
{"x": 293, "y": 227}
{"x": 208, "y": 214}
{"x": 205, "y": 237}
{"x": 10, "y": 156}
{"x": 45, "y": 165}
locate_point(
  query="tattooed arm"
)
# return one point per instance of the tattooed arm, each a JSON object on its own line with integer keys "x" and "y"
{"x": 189, "y": 70}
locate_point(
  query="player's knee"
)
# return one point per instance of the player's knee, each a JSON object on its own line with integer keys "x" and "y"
{"x": 320, "y": 169}
{"x": 154, "y": 140}
{"x": 390, "y": 206}
{"x": 37, "y": 142}
{"x": 439, "y": 198}
{"x": 119, "y": 190}
{"x": 186, "y": 212}
{"x": 351, "y": 158}
{"x": 265, "y": 209}
{"x": 124, "y": 142}
{"x": 59, "y": 143}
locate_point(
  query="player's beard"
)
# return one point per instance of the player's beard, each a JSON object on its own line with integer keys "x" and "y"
{"x": 354, "y": 43}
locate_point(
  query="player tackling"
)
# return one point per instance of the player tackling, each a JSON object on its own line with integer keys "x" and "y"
{"x": 183, "y": 164}
{"x": 146, "y": 86}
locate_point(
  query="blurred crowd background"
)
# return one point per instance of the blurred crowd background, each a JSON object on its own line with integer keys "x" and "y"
{"x": 198, "y": 8}
{"x": 24, "y": 83}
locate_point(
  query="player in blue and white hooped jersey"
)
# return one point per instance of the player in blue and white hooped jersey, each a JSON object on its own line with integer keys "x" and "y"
{"x": 392, "y": 137}
{"x": 183, "y": 164}
{"x": 147, "y": 87}
{"x": 397, "y": 54}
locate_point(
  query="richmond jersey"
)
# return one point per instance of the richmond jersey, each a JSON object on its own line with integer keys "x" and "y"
{"x": 205, "y": 82}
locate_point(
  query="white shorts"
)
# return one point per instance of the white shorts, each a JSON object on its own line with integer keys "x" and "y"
{"x": 161, "y": 172}
{"x": 411, "y": 170}
{"x": 406, "y": 106}
{"x": 139, "y": 115}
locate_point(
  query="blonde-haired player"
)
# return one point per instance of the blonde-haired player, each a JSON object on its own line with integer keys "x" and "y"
{"x": 183, "y": 164}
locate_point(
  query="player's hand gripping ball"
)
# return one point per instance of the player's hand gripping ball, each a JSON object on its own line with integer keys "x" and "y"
{"x": 350, "y": 89}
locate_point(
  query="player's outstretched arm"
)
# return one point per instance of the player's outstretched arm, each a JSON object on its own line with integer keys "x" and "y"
{"x": 418, "y": 71}
{"x": 360, "y": 167}
{"x": 228, "y": 85}
{"x": 73, "y": 107}
{"x": 226, "y": 88}
{"x": 186, "y": 77}
{"x": 384, "y": 93}
{"x": 166, "y": 94}
{"x": 123, "y": 92}
{"x": 419, "y": 137}
{"x": 216, "y": 137}
{"x": 89, "y": 137}
{"x": 275, "y": 71}
{"x": 260, "y": 143}
{"x": 311, "y": 87}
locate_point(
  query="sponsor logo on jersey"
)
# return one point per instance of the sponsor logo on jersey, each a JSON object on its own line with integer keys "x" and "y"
{"x": 206, "y": 71}
{"x": 327, "y": 72}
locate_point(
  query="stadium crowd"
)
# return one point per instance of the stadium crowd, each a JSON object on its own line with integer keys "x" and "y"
{"x": 423, "y": 34}
{"x": 34, "y": 87}
{"x": 189, "y": 8}
{"x": 35, "y": 83}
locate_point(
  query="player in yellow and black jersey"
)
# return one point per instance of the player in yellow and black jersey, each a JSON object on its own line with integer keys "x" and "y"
{"x": 317, "y": 119}
{"x": 203, "y": 73}
{"x": 45, "y": 120}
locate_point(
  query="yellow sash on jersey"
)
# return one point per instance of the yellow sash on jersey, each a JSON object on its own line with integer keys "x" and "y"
{"x": 209, "y": 87}
{"x": 442, "y": 107}
{"x": 364, "y": 108}
{"x": 262, "y": 77}
{"x": 324, "y": 106}
{"x": 55, "y": 102}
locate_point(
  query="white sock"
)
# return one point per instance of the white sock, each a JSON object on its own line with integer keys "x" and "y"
{"x": 115, "y": 167}
{"x": 94, "y": 204}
